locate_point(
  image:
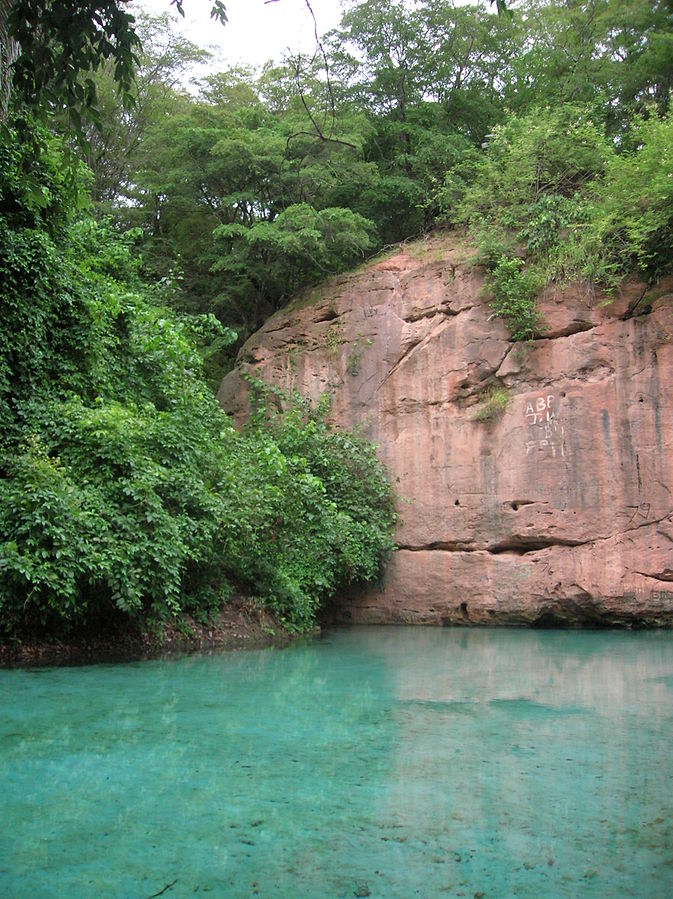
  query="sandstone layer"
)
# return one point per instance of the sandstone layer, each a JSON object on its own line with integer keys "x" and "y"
{"x": 557, "y": 508}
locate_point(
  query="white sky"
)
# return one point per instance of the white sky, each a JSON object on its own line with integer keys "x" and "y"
{"x": 255, "y": 32}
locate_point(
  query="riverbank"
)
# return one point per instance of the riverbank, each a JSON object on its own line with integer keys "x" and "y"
{"x": 241, "y": 624}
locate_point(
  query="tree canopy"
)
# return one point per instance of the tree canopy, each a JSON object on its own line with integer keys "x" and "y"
{"x": 49, "y": 50}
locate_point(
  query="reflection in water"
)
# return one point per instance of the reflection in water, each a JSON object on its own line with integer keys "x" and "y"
{"x": 395, "y": 760}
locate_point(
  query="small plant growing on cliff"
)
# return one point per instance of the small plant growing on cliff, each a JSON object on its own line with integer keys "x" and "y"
{"x": 494, "y": 404}
{"x": 292, "y": 354}
{"x": 514, "y": 293}
{"x": 354, "y": 361}
{"x": 333, "y": 339}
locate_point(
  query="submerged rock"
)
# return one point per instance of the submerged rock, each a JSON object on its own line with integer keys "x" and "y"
{"x": 535, "y": 479}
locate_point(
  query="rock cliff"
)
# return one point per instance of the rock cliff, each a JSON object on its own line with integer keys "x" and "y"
{"x": 557, "y": 508}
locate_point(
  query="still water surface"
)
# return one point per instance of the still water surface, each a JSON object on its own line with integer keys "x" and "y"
{"x": 377, "y": 761}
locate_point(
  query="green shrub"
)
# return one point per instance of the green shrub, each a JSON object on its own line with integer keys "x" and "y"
{"x": 629, "y": 219}
{"x": 514, "y": 292}
{"x": 124, "y": 489}
{"x": 550, "y": 186}
{"x": 546, "y": 153}
{"x": 494, "y": 403}
{"x": 545, "y": 220}
{"x": 492, "y": 247}
{"x": 333, "y": 520}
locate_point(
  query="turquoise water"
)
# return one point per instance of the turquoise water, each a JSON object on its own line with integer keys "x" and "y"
{"x": 378, "y": 761}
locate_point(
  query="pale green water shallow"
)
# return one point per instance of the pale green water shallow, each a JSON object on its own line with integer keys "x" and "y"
{"x": 406, "y": 762}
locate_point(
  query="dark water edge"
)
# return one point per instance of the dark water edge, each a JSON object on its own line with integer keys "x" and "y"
{"x": 239, "y": 625}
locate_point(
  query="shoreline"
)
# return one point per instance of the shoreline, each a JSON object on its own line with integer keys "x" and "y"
{"x": 239, "y": 625}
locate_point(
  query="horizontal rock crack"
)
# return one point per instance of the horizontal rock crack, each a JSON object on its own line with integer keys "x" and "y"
{"x": 519, "y": 548}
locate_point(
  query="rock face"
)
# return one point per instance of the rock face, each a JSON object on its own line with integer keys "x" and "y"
{"x": 557, "y": 508}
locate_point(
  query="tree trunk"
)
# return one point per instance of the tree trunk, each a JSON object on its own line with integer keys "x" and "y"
{"x": 9, "y": 52}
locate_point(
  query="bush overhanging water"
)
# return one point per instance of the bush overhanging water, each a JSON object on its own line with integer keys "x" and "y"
{"x": 125, "y": 490}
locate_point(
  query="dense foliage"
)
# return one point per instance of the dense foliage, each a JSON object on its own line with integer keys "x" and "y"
{"x": 124, "y": 488}
{"x": 554, "y": 199}
{"x": 54, "y": 47}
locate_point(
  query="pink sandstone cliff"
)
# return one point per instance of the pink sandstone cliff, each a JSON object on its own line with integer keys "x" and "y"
{"x": 557, "y": 509}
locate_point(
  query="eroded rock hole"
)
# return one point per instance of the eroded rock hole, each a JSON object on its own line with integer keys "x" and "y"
{"x": 327, "y": 316}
